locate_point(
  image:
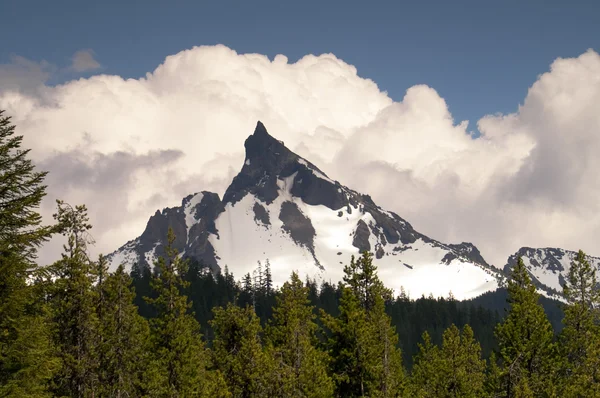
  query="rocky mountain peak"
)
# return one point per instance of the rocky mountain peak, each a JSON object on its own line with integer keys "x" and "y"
{"x": 283, "y": 208}
{"x": 269, "y": 164}
{"x": 265, "y": 153}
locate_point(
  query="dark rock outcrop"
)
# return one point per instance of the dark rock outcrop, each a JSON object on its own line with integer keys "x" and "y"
{"x": 260, "y": 214}
{"x": 297, "y": 225}
{"x": 361, "y": 237}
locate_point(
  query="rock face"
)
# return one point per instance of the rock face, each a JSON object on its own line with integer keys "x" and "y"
{"x": 283, "y": 208}
{"x": 548, "y": 267}
{"x": 193, "y": 222}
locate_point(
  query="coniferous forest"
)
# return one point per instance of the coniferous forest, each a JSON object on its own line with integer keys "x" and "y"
{"x": 74, "y": 329}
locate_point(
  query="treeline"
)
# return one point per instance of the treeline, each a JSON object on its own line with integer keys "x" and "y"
{"x": 72, "y": 329}
{"x": 411, "y": 318}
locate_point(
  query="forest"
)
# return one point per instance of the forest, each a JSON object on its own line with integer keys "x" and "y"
{"x": 74, "y": 329}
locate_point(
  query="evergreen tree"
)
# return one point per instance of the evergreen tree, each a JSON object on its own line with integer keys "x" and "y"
{"x": 141, "y": 276}
{"x": 268, "y": 279}
{"x": 247, "y": 296}
{"x": 301, "y": 367}
{"x": 424, "y": 380}
{"x": 580, "y": 338}
{"x": 27, "y": 360}
{"x": 527, "y": 351}
{"x": 179, "y": 365}
{"x": 238, "y": 354}
{"x": 366, "y": 361}
{"x": 455, "y": 370}
{"x": 74, "y": 306}
{"x": 124, "y": 336}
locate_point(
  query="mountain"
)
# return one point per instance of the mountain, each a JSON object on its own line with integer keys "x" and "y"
{"x": 281, "y": 207}
{"x": 547, "y": 266}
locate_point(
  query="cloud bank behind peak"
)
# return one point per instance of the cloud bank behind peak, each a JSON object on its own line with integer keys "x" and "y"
{"x": 128, "y": 147}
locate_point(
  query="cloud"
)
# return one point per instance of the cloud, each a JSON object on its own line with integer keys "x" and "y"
{"x": 128, "y": 147}
{"x": 22, "y": 74}
{"x": 83, "y": 61}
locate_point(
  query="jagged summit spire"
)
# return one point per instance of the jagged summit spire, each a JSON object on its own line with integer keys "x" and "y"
{"x": 267, "y": 161}
{"x": 260, "y": 129}
{"x": 262, "y": 148}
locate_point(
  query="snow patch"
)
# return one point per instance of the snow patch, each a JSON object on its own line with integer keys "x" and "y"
{"x": 317, "y": 173}
{"x": 285, "y": 186}
{"x": 150, "y": 256}
{"x": 190, "y": 212}
{"x": 126, "y": 256}
{"x": 419, "y": 269}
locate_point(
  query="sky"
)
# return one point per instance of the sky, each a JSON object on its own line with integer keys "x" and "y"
{"x": 474, "y": 120}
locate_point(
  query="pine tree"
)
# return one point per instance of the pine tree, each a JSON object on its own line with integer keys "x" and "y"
{"x": 74, "y": 306}
{"x": 425, "y": 381}
{"x": 238, "y": 354}
{"x": 301, "y": 367}
{"x": 580, "y": 338}
{"x": 179, "y": 365}
{"x": 268, "y": 279}
{"x": 141, "y": 276}
{"x": 525, "y": 338}
{"x": 363, "y": 343}
{"x": 27, "y": 357}
{"x": 124, "y": 336}
{"x": 455, "y": 370}
{"x": 247, "y": 294}
{"x": 258, "y": 279}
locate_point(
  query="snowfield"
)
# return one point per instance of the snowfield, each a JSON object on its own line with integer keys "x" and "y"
{"x": 243, "y": 241}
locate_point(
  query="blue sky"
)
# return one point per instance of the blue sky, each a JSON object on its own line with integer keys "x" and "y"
{"x": 481, "y": 56}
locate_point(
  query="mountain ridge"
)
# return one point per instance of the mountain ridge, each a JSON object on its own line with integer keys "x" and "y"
{"x": 283, "y": 208}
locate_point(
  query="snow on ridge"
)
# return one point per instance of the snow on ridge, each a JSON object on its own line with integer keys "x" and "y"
{"x": 419, "y": 270}
{"x": 190, "y": 210}
{"x": 126, "y": 256}
{"x": 150, "y": 256}
{"x": 317, "y": 173}
{"x": 286, "y": 184}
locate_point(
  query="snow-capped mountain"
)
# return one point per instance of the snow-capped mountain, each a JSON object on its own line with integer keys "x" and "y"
{"x": 548, "y": 266}
{"x": 282, "y": 208}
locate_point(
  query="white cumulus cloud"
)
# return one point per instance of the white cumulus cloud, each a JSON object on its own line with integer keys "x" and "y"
{"x": 128, "y": 147}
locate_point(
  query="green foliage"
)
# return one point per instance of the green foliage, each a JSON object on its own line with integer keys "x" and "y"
{"x": 124, "y": 347}
{"x": 292, "y": 340}
{"x": 527, "y": 350}
{"x": 238, "y": 354}
{"x": 73, "y": 306}
{"x": 455, "y": 370}
{"x": 27, "y": 360}
{"x": 21, "y": 192}
{"x": 363, "y": 344}
{"x": 580, "y": 337}
{"x": 178, "y": 366}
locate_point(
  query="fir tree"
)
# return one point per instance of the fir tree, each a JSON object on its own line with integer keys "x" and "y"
{"x": 301, "y": 367}
{"x": 247, "y": 294}
{"x": 424, "y": 380}
{"x": 27, "y": 360}
{"x": 141, "y": 276}
{"x": 580, "y": 338}
{"x": 124, "y": 336}
{"x": 366, "y": 361}
{"x": 238, "y": 354}
{"x": 526, "y": 348}
{"x": 455, "y": 370}
{"x": 268, "y": 279}
{"x": 179, "y": 365}
{"x": 74, "y": 306}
